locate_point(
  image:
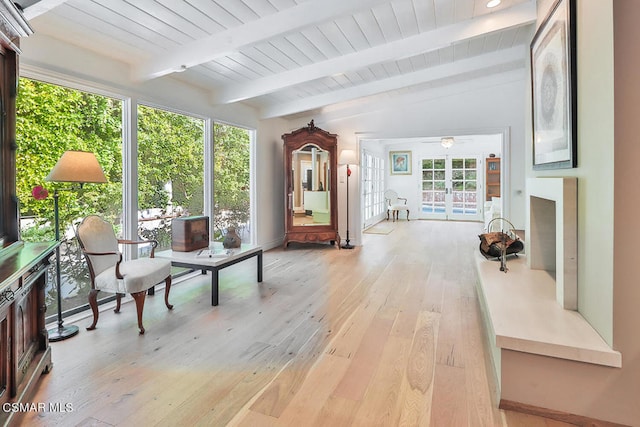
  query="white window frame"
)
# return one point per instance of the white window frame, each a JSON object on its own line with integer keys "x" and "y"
{"x": 373, "y": 172}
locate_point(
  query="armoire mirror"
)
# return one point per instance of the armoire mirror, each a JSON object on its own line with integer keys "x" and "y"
{"x": 310, "y": 186}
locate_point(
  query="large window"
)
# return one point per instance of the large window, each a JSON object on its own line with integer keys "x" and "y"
{"x": 170, "y": 171}
{"x": 232, "y": 175}
{"x": 175, "y": 163}
{"x": 51, "y": 120}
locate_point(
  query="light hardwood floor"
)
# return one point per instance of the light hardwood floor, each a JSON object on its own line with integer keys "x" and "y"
{"x": 388, "y": 334}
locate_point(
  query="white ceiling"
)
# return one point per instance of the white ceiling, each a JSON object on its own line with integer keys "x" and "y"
{"x": 295, "y": 57}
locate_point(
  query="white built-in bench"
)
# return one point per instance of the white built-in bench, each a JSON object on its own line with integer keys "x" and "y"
{"x": 522, "y": 314}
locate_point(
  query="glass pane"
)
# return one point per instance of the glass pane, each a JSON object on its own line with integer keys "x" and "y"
{"x": 170, "y": 171}
{"x": 470, "y": 163}
{"x": 457, "y": 174}
{"x": 470, "y": 197}
{"x": 439, "y": 185}
{"x": 470, "y": 174}
{"x": 427, "y": 185}
{"x": 231, "y": 175}
{"x": 439, "y": 164}
{"x": 470, "y": 186}
{"x": 52, "y": 119}
{"x": 457, "y": 163}
{"x": 439, "y": 175}
{"x": 427, "y": 164}
{"x": 427, "y": 175}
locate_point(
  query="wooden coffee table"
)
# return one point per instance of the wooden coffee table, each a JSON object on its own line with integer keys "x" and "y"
{"x": 214, "y": 259}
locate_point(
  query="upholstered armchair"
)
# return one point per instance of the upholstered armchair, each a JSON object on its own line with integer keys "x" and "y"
{"x": 110, "y": 273}
{"x": 395, "y": 204}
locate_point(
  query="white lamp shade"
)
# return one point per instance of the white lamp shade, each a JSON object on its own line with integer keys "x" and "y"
{"x": 348, "y": 157}
{"x": 77, "y": 166}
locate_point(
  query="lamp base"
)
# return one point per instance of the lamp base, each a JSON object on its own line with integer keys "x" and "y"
{"x": 62, "y": 332}
{"x": 347, "y": 246}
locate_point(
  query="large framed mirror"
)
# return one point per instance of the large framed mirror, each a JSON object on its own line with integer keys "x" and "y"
{"x": 310, "y": 185}
{"x": 310, "y": 166}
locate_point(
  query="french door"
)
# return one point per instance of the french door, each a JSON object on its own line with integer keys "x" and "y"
{"x": 450, "y": 188}
{"x": 372, "y": 173}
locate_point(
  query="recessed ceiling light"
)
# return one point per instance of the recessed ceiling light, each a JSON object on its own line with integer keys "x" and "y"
{"x": 493, "y": 3}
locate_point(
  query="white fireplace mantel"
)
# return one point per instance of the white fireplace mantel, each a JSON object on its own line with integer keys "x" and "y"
{"x": 553, "y": 230}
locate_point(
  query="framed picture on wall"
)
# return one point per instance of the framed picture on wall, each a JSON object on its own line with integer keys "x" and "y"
{"x": 553, "y": 83}
{"x": 400, "y": 162}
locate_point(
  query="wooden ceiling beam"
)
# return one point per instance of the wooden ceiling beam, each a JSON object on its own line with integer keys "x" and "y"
{"x": 40, "y": 8}
{"x": 474, "y": 64}
{"x": 306, "y": 14}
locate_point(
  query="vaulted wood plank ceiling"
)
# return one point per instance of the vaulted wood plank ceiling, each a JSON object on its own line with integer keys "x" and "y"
{"x": 292, "y": 57}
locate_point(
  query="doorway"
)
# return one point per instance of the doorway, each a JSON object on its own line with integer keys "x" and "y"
{"x": 450, "y": 189}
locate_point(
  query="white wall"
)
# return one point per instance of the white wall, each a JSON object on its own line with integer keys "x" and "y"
{"x": 608, "y": 202}
{"x": 270, "y": 183}
{"x": 595, "y": 171}
{"x": 596, "y": 165}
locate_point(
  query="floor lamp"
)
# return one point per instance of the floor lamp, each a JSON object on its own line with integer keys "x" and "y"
{"x": 80, "y": 167}
{"x": 348, "y": 157}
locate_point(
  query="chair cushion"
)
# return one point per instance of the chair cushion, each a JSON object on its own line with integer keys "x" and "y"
{"x": 399, "y": 207}
{"x": 139, "y": 275}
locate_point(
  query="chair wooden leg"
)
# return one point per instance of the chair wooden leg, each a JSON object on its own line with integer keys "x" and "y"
{"x": 167, "y": 287}
{"x": 118, "y": 303}
{"x": 93, "y": 303}
{"x": 139, "y": 297}
{"x": 407, "y": 214}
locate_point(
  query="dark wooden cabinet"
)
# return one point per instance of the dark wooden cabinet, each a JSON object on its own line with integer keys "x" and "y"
{"x": 5, "y": 352}
{"x": 24, "y": 345}
{"x": 311, "y": 209}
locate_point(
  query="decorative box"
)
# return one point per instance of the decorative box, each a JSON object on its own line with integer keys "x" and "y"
{"x": 189, "y": 233}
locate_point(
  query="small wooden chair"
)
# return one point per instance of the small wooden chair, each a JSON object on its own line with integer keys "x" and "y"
{"x": 110, "y": 274}
{"x": 394, "y": 205}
